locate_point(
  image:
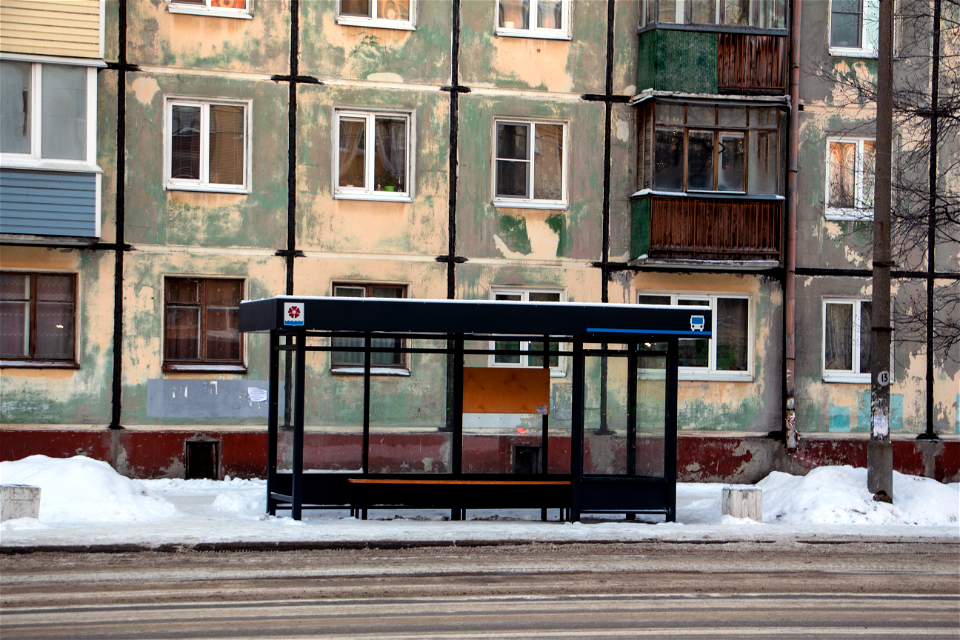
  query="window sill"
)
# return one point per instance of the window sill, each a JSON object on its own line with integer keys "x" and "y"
{"x": 242, "y": 191}
{"x": 38, "y": 364}
{"x": 718, "y": 195}
{"x": 207, "y": 11}
{"x": 529, "y": 204}
{"x": 847, "y": 378}
{"x": 528, "y": 33}
{"x": 856, "y": 215}
{"x": 189, "y": 367}
{"x": 10, "y": 161}
{"x": 715, "y": 376}
{"x": 837, "y": 52}
{"x": 398, "y": 25}
{"x": 374, "y": 371}
{"x": 373, "y": 197}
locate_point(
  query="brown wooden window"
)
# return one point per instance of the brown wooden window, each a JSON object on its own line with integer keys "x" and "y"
{"x": 37, "y": 318}
{"x": 201, "y": 327}
{"x": 352, "y": 361}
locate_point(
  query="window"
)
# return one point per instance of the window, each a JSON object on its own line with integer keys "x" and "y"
{"x": 529, "y": 164}
{"x": 850, "y": 175}
{"x": 708, "y": 148}
{"x": 217, "y": 8}
{"x": 854, "y": 27}
{"x": 37, "y": 316}
{"x": 726, "y": 356}
{"x": 520, "y": 357}
{"x": 201, "y": 325}
{"x": 386, "y": 14}
{"x": 764, "y": 14}
{"x": 207, "y": 146}
{"x": 381, "y": 362}
{"x": 847, "y": 340}
{"x": 372, "y": 156}
{"x": 534, "y": 18}
{"x": 47, "y": 115}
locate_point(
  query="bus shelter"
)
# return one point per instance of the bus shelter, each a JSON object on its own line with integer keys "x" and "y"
{"x": 457, "y": 404}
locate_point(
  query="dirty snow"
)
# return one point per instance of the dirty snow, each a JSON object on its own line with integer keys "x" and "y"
{"x": 85, "y": 502}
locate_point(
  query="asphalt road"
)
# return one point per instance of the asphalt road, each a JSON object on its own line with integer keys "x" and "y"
{"x": 787, "y": 589}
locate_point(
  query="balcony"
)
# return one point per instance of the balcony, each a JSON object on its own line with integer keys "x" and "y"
{"x": 684, "y": 229}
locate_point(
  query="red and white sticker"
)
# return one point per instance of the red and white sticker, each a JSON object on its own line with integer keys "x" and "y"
{"x": 293, "y": 314}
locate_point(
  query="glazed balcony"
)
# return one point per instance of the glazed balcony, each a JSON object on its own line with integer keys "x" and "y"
{"x": 683, "y": 229}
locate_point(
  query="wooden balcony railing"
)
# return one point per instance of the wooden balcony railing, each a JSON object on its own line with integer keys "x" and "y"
{"x": 708, "y": 229}
{"x": 748, "y": 63}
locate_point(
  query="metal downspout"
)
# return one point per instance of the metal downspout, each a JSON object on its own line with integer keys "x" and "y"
{"x": 790, "y": 286}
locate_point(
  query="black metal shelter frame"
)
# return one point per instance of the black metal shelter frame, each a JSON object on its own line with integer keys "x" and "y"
{"x": 588, "y": 331}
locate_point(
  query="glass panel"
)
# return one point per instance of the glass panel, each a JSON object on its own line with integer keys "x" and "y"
{"x": 652, "y": 361}
{"x": 647, "y": 299}
{"x": 845, "y": 25}
{"x": 63, "y": 133}
{"x": 871, "y": 25}
{"x": 838, "y": 337}
{"x": 512, "y": 141}
{"x": 668, "y": 162}
{"x": 671, "y": 11}
{"x": 228, "y": 4}
{"x": 732, "y": 117}
{"x": 55, "y": 288}
{"x": 182, "y": 290}
{"x": 700, "y": 161}
{"x": 843, "y": 174}
{"x": 222, "y": 333}
{"x": 544, "y": 296}
{"x": 732, "y": 338}
{"x": 772, "y": 14}
{"x": 182, "y": 333}
{"x": 736, "y": 12}
{"x": 669, "y": 113}
{"x": 185, "y": 143}
{"x": 14, "y": 286}
{"x": 390, "y": 161}
{"x": 333, "y": 408}
{"x": 731, "y": 173}
{"x": 605, "y": 415}
{"x": 352, "y": 152}
{"x": 408, "y": 418}
{"x": 226, "y": 144}
{"x": 393, "y": 9}
{"x": 763, "y": 118}
{"x": 14, "y": 107}
{"x": 54, "y": 330}
{"x": 355, "y": 8}
{"x": 694, "y": 353}
{"x": 14, "y": 315}
{"x": 537, "y": 361}
{"x": 869, "y": 172}
{"x": 550, "y": 14}
{"x": 286, "y": 389}
{"x": 511, "y": 179}
{"x": 512, "y": 145}
{"x": 704, "y": 12}
{"x": 548, "y": 162}
{"x": 762, "y": 163}
{"x": 515, "y": 14}
{"x": 866, "y": 337}
{"x": 649, "y": 14}
{"x": 701, "y": 116}
{"x": 651, "y": 415}
{"x": 223, "y": 293}
{"x": 507, "y": 358}
{"x": 559, "y": 423}
{"x": 386, "y": 292}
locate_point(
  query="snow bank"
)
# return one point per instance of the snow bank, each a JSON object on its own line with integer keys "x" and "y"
{"x": 81, "y": 489}
{"x": 838, "y": 495}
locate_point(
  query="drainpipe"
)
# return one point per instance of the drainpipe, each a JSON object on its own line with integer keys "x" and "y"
{"x": 790, "y": 286}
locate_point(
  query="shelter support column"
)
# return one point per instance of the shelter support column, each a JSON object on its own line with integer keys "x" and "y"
{"x": 576, "y": 431}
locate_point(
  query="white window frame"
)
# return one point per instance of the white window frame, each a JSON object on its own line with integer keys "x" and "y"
{"x": 531, "y": 202}
{"x": 33, "y": 160}
{"x": 710, "y": 372}
{"x": 203, "y": 183}
{"x": 868, "y": 15}
{"x": 402, "y": 370}
{"x": 368, "y": 190}
{"x": 558, "y": 371}
{"x": 858, "y": 212}
{"x": 562, "y": 33}
{"x": 854, "y": 375}
{"x": 206, "y": 9}
{"x": 375, "y": 21}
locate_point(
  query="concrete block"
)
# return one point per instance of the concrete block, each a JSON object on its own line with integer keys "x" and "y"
{"x": 19, "y": 501}
{"x": 743, "y": 503}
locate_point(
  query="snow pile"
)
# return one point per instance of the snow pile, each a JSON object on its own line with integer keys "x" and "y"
{"x": 248, "y": 500}
{"x": 838, "y": 495}
{"x": 81, "y": 489}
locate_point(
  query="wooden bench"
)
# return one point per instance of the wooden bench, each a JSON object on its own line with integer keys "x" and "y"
{"x": 456, "y": 482}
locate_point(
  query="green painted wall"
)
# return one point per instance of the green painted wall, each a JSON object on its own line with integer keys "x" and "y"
{"x": 640, "y": 229}
{"x": 671, "y": 60}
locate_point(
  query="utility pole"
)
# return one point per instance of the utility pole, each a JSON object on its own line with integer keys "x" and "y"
{"x": 879, "y": 450}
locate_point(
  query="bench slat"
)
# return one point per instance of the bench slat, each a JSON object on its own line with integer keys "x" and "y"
{"x": 457, "y": 482}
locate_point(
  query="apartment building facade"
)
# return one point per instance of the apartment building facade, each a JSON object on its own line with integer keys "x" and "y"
{"x": 561, "y": 150}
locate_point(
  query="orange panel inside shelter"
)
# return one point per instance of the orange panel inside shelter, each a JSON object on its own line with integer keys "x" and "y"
{"x": 490, "y": 390}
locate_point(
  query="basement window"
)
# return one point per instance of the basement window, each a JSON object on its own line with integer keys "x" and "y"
{"x": 212, "y": 8}
{"x": 383, "y": 14}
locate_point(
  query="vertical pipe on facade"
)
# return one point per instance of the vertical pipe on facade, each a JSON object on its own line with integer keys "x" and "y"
{"x": 932, "y": 215}
{"x": 454, "y": 140}
{"x": 607, "y": 117}
{"x": 116, "y": 400}
{"x": 292, "y": 142}
{"x": 790, "y": 284}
